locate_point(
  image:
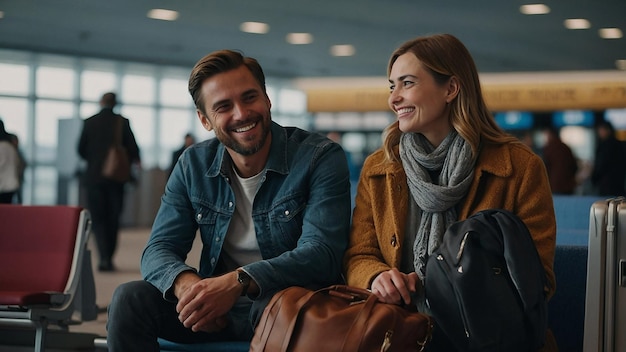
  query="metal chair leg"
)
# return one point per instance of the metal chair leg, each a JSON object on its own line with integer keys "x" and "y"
{"x": 41, "y": 328}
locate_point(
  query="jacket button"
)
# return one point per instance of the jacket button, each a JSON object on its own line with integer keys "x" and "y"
{"x": 394, "y": 241}
{"x": 286, "y": 212}
{"x": 199, "y": 217}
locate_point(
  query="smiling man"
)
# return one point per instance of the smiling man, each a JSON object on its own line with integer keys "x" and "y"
{"x": 271, "y": 205}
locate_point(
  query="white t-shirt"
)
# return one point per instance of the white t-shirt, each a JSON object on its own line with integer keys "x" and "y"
{"x": 240, "y": 245}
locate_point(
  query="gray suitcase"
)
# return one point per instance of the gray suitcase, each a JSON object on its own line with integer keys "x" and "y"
{"x": 605, "y": 305}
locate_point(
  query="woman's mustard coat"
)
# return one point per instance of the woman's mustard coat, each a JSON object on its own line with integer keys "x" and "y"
{"x": 507, "y": 176}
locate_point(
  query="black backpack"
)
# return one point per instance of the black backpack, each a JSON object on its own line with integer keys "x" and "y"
{"x": 485, "y": 285}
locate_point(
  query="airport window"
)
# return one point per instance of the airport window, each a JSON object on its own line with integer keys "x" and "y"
{"x": 173, "y": 92}
{"x": 48, "y": 113}
{"x": 55, "y": 82}
{"x": 13, "y": 112}
{"x": 15, "y": 78}
{"x": 137, "y": 89}
{"x": 94, "y": 83}
{"x": 142, "y": 122}
{"x": 43, "y": 185}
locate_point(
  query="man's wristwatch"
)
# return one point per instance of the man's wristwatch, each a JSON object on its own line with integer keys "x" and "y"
{"x": 244, "y": 281}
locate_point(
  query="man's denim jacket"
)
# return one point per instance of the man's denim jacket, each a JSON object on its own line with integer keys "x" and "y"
{"x": 301, "y": 214}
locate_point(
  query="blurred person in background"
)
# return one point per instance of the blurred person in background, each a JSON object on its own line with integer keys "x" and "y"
{"x": 609, "y": 167}
{"x": 9, "y": 167}
{"x": 189, "y": 139}
{"x": 105, "y": 197}
{"x": 21, "y": 168}
{"x": 561, "y": 164}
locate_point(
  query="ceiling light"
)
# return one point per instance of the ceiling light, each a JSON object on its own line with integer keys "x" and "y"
{"x": 610, "y": 33}
{"x": 342, "y": 50}
{"x": 299, "y": 38}
{"x": 255, "y": 27}
{"x": 577, "y": 23}
{"x": 162, "y": 14}
{"x": 621, "y": 64}
{"x": 534, "y": 9}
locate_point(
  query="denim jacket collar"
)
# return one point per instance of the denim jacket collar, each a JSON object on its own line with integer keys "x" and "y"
{"x": 277, "y": 161}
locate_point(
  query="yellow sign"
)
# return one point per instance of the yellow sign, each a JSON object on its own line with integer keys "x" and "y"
{"x": 355, "y": 100}
{"x": 539, "y": 94}
{"x": 550, "y": 97}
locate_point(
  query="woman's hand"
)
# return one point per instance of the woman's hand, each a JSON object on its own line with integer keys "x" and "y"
{"x": 395, "y": 287}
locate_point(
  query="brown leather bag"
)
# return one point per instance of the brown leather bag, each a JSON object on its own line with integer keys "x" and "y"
{"x": 338, "y": 318}
{"x": 116, "y": 165}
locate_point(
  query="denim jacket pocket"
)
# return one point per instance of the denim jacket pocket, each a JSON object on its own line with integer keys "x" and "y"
{"x": 206, "y": 219}
{"x": 286, "y": 221}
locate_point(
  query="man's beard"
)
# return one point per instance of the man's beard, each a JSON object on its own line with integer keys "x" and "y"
{"x": 243, "y": 149}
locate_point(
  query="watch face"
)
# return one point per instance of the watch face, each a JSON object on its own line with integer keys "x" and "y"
{"x": 244, "y": 280}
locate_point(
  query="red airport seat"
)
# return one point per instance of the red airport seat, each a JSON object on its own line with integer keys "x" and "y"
{"x": 41, "y": 255}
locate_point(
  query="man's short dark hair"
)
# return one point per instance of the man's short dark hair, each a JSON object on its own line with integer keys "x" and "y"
{"x": 218, "y": 62}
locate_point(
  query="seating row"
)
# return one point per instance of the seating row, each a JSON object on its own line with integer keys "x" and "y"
{"x": 67, "y": 229}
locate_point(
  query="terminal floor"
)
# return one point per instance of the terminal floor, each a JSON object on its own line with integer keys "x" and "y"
{"x": 130, "y": 245}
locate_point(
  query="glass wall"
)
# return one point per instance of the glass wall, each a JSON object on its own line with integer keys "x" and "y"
{"x": 44, "y": 98}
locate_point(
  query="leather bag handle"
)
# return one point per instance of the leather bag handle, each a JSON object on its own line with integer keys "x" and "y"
{"x": 355, "y": 334}
{"x": 351, "y": 294}
{"x": 273, "y": 313}
{"x": 292, "y": 324}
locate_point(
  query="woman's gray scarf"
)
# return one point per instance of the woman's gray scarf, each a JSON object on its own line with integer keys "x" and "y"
{"x": 436, "y": 200}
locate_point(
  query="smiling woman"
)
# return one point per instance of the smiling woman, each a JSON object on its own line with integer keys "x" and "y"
{"x": 443, "y": 160}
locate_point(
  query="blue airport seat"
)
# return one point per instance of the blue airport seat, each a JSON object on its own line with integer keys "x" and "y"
{"x": 566, "y": 309}
{"x": 230, "y": 346}
{"x": 572, "y": 219}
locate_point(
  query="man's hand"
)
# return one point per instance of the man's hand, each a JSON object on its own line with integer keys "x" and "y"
{"x": 203, "y": 303}
{"x": 395, "y": 287}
